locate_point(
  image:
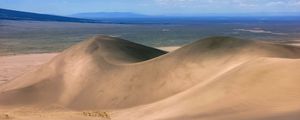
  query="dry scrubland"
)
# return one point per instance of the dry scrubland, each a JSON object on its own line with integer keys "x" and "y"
{"x": 217, "y": 78}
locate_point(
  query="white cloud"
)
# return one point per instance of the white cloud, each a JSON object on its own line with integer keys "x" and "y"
{"x": 275, "y": 3}
{"x": 297, "y": 3}
{"x": 172, "y": 1}
{"x": 192, "y": 3}
{"x": 243, "y": 3}
{"x": 232, "y": 5}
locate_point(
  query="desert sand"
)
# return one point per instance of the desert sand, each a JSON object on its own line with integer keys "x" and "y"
{"x": 217, "y": 78}
{"x": 14, "y": 66}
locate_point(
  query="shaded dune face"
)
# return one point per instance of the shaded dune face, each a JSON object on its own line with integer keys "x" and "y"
{"x": 120, "y": 51}
{"x": 78, "y": 71}
{"x": 213, "y": 78}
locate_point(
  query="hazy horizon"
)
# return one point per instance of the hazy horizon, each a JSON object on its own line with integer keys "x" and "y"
{"x": 160, "y": 7}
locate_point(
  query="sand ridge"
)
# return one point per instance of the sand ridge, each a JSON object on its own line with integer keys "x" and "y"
{"x": 217, "y": 78}
{"x": 15, "y": 65}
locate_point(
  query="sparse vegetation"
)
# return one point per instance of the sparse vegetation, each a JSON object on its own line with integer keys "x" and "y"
{"x": 4, "y": 116}
{"x": 97, "y": 114}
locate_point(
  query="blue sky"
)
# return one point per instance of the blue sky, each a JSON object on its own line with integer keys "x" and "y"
{"x": 155, "y": 7}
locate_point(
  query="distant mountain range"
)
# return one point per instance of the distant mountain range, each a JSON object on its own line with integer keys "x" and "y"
{"x": 19, "y": 15}
{"x": 135, "y": 18}
{"x": 101, "y": 15}
{"x": 93, "y": 17}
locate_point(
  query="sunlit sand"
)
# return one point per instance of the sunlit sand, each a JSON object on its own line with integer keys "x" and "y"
{"x": 217, "y": 78}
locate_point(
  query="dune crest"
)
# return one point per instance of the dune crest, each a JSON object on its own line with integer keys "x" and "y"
{"x": 217, "y": 78}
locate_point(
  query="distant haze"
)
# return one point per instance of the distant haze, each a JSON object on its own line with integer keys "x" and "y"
{"x": 158, "y": 7}
{"x": 95, "y": 15}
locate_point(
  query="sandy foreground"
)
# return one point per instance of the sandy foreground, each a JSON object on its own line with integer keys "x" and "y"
{"x": 217, "y": 78}
{"x": 14, "y": 66}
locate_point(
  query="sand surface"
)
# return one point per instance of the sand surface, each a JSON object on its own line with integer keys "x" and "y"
{"x": 217, "y": 78}
{"x": 16, "y": 65}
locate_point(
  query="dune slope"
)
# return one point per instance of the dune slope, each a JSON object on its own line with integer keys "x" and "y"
{"x": 217, "y": 78}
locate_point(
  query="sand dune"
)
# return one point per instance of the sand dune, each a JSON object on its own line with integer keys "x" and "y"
{"x": 14, "y": 66}
{"x": 217, "y": 78}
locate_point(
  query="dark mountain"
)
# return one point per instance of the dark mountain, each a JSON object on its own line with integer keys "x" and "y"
{"x": 19, "y": 15}
{"x": 101, "y": 15}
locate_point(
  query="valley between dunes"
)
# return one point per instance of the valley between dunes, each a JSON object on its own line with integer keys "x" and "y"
{"x": 217, "y": 78}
